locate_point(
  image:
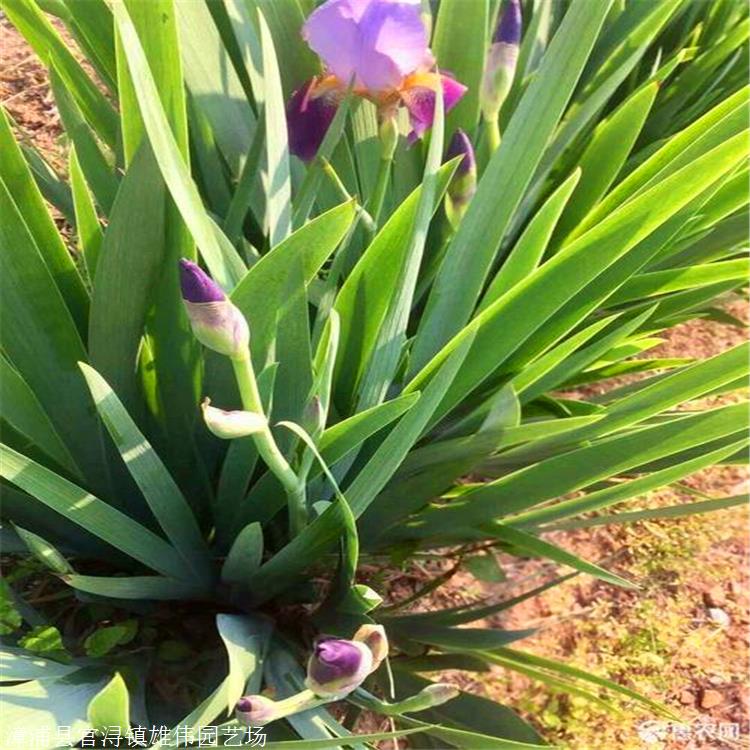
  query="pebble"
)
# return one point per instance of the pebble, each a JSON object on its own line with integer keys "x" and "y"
{"x": 719, "y": 616}
{"x": 711, "y": 698}
{"x": 686, "y": 698}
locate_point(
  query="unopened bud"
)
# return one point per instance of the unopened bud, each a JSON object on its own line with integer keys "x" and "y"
{"x": 215, "y": 321}
{"x": 388, "y": 134}
{"x": 464, "y": 183}
{"x": 337, "y": 666}
{"x": 256, "y": 710}
{"x": 232, "y": 424}
{"x": 313, "y": 419}
{"x": 374, "y": 637}
{"x": 500, "y": 67}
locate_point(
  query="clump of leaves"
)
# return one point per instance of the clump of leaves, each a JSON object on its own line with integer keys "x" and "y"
{"x": 395, "y": 348}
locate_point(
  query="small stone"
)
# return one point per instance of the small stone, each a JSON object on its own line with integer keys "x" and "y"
{"x": 711, "y": 698}
{"x": 686, "y": 698}
{"x": 719, "y": 616}
{"x": 715, "y": 597}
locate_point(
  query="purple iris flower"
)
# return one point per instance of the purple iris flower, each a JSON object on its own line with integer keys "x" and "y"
{"x": 377, "y": 42}
{"x": 382, "y": 47}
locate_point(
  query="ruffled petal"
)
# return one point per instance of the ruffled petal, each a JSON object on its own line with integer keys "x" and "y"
{"x": 375, "y": 42}
{"x": 419, "y": 98}
{"x": 332, "y": 31}
{"x": 394, "y": 44}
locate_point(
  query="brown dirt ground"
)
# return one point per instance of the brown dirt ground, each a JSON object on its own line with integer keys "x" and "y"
{"x": 660, "y": 640}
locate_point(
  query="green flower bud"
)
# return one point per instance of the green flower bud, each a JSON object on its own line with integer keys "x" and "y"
{"x": 232, "y": 424}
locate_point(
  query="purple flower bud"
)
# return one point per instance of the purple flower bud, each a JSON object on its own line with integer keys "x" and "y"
{"x": 197, "y": 285}
{"x": 464, "y": 183}
{"x": 509, "y": 27}
{"x": 256, "y": 710}
{"x": 500, "y": 67}
{"x": 309, "y": 114}
{"x": 337, "y": 666}
{"x": 215, "y": 321}
{"x": 460, "y": 145}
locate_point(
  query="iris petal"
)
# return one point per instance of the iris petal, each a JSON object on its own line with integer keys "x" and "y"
{"x": 419, "y": 99}
{"x": 308, "y": 115}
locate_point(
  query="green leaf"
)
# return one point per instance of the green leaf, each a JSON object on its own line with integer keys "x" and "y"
{"x": 504, "y": 326}
{"x": 136, "y": 587}
{"x": 391, "y": 338}
{"x": 607, "y": 496}
{"x": 464, "y": 639}
{"x": 43, "y": 551}
{"x": 391, "y": 452}
{"x": 226, "y": 268}
{"x": 99, "y": 173}
{"x": 285, "y": 19}
{"x": 525, "y": 543}
{"x": 103, "y": 640}
{"x": 18, "y": 180}
{"x": 458, "y": 44}
{"x": 89, "y": 512}
{"x": 677, "y": 279}
{"x": 260, "y": 294}
{"x": 485, "y": 568}
{"x": 214, "y": 86}
{"x": 605, "y": 155}
{"x": 527, "y": 253}
{"x": 710, "y": 130}
{"x": 375, "y": 278}
{"x": 245, "y": 555}
{"x": 648, "y": 514}
{"x": 130, "y": 264}
{"x": 163, "y": 496}
{"x": 17, "y": 665}
{"x": 337, "y": 441}
{"x": 583, "y": 467}
{"x": 243, "y": 642}
{"x": 110, "y": 707}
{"x": 247, "y": 637}
{"x": 305, "y": 550}
{"x": 476, "y": 719}
{"x": 88, "y": 228}
{"x": 514, "y": 659}
{"x": 336, "y": 742}
{"x": 471, "y": 252}
{"x": 278, "y": 187}
{"x": 23, "y": 412}
{"x": 35, "y": 709}
{"x": 45, "y": 639}
{"x": 39, "y": 337}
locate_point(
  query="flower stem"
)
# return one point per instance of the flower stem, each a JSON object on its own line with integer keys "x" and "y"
{"x": 492, "y": 134}
{"x": 375, "y": 205}
{"x": 266, "y": 445}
